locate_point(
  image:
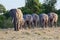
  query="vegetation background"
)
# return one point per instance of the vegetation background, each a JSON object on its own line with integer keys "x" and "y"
{"x": 31, "y": 6}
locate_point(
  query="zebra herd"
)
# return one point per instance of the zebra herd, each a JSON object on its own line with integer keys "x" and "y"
{"x": 33, "y": 20}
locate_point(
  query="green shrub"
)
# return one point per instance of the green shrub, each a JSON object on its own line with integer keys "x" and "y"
{"x": 5, "y": 23}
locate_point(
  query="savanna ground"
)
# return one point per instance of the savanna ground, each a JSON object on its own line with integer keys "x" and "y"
{"x": 30, "y": 34}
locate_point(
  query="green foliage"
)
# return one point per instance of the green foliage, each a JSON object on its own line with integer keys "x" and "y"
{"x": 5, "y": 23}
{"x": 33, "y": 5}
{"x": 50, "y": 2}
{"x": 46, "y": 8}
{"x": 26, "y": 10}
{"x": 2, "y": 18}
{"x": 58, "y": 11}
{"x": 6, "y": 14}
{"x": 49, "y": 6}
{"x": 2, "y": 9}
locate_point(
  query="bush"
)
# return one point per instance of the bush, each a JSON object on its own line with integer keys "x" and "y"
{"x": 6, "y": 14}
{"x": 8, "y": 23}
{"x": 5, "y": 23}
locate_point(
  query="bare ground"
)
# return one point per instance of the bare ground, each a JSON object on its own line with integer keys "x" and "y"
{"x": 30, "y": 34}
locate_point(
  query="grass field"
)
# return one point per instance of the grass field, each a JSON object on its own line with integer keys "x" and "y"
{"x": 30, "y": 34}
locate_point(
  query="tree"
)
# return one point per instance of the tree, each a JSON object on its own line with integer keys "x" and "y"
{"x": 2, "y": 9}
{"x": 6, "y": 14}
{"x": 5, "y": 23}
{"x": 58, "y": 11}
{"x": 33, "y": 5}
{"x": 26, "y": 10}
{"x": 49, "y": 6}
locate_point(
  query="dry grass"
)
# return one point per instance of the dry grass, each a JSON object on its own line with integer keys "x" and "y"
{"x": 30, "y": 34}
